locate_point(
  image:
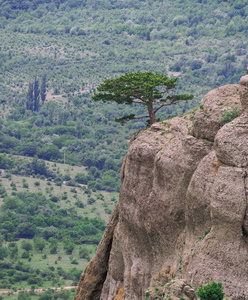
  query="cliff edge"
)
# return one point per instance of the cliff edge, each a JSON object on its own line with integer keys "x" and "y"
{"x": 182, "y": 216}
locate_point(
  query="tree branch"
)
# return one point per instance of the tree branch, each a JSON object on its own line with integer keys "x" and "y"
{"x": 135, "y": 96}
{"x": 137, "y": 102}
{"x": 167, "y": 104}
{"x": 136, "y": 118}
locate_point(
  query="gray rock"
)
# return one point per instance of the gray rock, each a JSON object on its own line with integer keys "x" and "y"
{"x": 207, "y": 119}
{"x": 231, "y": 143}
{"x": 92, "y": 279}
{"x": 189, "y": 292}
{"x": 244, "y": 92}
{"x": 183, "y": 209}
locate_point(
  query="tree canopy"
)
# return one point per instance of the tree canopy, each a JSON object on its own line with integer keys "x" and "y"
{"x": 147, "y": 88}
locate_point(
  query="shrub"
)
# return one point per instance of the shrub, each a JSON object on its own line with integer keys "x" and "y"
{"x": 25, "y": 254}
{"x": 24, "y": 296}
{"x": 79, "y": 204}
{"x": 54, "y": 199}
{"x": 84, "y": 253}
{"x": 211, "y": 291}
{"x": 229, "y": 115}
{"x": 2, "y": 191}
{"x": 66, "y": 177}
{"x": 53, "y": 250}
{"x": 25, "y": 185}
{"x": 74, "y": 262}
{"x": 69, "y": 247}
{"x": 108, "y": 211}
{"x": 34, "y": 280}
{"x": 91, "y": 200}
{"x": 26, "y": 245}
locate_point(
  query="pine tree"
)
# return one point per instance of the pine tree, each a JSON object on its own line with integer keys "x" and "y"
{"x": 153, "y": 91}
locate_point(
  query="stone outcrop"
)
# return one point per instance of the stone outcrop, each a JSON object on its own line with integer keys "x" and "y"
{"x": 182, "y": 211}
{"x": 207, "y": 119}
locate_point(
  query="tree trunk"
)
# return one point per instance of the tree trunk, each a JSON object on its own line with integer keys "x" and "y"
{"x": 151, "y": 114}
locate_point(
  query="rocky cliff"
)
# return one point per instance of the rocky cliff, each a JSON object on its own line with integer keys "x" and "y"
{"x": 182, "y": 216}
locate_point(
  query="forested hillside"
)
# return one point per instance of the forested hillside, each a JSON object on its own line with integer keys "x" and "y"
{"x": 63, "y": 50}
{"x": 76, "y": 44}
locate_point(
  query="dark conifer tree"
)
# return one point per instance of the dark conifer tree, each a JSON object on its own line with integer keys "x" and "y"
{"x": 43, "y": 89}
{"x": 30, "y": 97}
{"x": 36, "y": 94}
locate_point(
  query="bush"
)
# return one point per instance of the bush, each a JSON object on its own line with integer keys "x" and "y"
{"x": 24, "y": 296}
{"x": 74, "y": 262}
{"x": 53, "y": 250}
{"x": 25, "y": 254}
{"x": 34, "y": 280}
{"x": 2, "y": 191}
{"x": 69, "y": 247}
{"x": 84, "y": 253}
{"x": 229, "y": 115}
{"x": 26, "y": 245}
{"x": 108, "y": 211}
{"x": 54, "y": 199}
{"x": 25, "y": 185}
{"x": 211, "y": 291}
{"x": 91, "y": 200}
{"x": 79, "y": 204}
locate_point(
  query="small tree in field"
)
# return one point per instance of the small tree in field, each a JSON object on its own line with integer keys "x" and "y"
{"x": 146, "y": 88}
{"x": 39, "y": 244}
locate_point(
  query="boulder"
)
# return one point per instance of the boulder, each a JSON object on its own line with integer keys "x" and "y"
{"x": 207, "y": 120}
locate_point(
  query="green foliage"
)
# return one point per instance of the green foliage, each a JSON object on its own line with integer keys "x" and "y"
{"x": 3, "y": 252}
{"x": 69, "y": 247}
{"x": 39, "y": 244}
{"x": 84, "y": 253}
{"x": 25, "y": 254}
{"x": 48, "y": 221}
{"x": 91, "y": 200}
{"x": 26, "y": 245}
{"x": 53, "y": 294}
{"x": 211, "y": 291}
{"x": 144, "y": 88}
{"x": 5, "y": 162}
{"x": 23, "y": 296}
{"x": 43, "y": 88}
{"x": 25, "y": 185}
{"x": 2, "y": 191}
{"x": 229, "y": 115}
{"x": 203, "y": 236}
{"x": 13, "y": 250}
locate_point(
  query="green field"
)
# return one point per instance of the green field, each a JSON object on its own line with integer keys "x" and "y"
{"x": 74, "y": 194}
{"x": 33, "y": 268}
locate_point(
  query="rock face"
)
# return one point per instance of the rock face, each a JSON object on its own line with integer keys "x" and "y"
{"x": 183, "y": 209}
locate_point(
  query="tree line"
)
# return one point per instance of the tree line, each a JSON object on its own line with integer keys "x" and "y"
{"x": 36, "y": 93}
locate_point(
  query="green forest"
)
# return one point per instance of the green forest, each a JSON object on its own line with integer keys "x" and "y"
{"x": 61, "y": 151}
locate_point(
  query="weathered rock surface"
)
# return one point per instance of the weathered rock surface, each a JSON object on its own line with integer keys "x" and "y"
{"x": 183, "y": 209}
{"x": 93, "y": 277}
{"x": 207, "y": 119}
